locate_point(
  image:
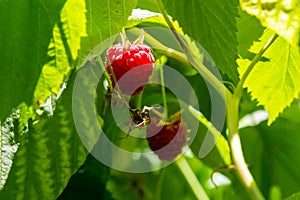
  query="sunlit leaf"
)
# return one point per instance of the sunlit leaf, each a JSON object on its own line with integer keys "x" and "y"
{"x": 55, "y": 71}
{"x": 73, "y": 19}
{"x": 67, "y": 36}
{"x": 273, "y": 83}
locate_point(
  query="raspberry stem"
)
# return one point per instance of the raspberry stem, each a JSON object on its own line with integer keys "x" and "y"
{"x": 140, "y": 39}
{"x": 100, "y": 61}
{"x": 159, "y": 184}
{"x": 191, "y": 178}
{"x": 163, "y": 91}
{"x": 117, "y": 86}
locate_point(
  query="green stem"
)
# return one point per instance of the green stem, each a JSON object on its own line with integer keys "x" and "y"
{"x": 170, "y": 24}
{"x": 100, "y": 61}
{"x": 191, "y": 178}
{"x": 139, "y": 99}
{"x": 159, "y": 184}
{"x": 232, "y": 125}
{"x": 0, "y": 154}
{"x": 236, "y": 148}
{"x": 221, "y": 143}
{"x": 163, "y": 91}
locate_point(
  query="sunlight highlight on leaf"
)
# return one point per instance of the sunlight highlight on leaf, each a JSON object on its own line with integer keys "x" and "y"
{"x": 70, "y": 32}
{"x": 73, "y": 18}
{"x": 283, "y": 16}
{"x": 55, "y": 71}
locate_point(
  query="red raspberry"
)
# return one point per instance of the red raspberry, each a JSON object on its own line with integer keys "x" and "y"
{"x": 136, "y": 58}
{"x": 166, "y": 140}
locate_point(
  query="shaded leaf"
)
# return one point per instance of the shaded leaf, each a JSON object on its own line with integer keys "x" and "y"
{"x": 250, "y": 30}
{"x": 48, "y": 155}
{"x": 89, "y": 181}
{"x": 205, "y": 23}
{"x": 274, "y": 161}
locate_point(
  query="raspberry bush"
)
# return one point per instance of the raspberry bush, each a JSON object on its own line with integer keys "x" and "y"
{"x": 66, "y": 76}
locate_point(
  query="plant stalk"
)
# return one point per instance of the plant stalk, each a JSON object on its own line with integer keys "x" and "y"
{"x": 191, "y": 178}
{"x": 159, "y": 184}
{"x": 233, "y": 131}
{"x": 163, "y": 91}
{"x": 0, "y": 154}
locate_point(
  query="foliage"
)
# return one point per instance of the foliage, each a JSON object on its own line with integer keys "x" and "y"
{"x": 45, "y": 45}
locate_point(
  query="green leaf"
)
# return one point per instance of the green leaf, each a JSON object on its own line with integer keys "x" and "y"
{"x": 73, "y": 19}
{"x": 275, "y": 83}
{"x": 48, "y": 155}
{"x": 271, "y": 153}
{"x": 282, "y": 16}
{"x": 104, "y": 20}
{"x": 147, "y": 5}
{"x": 89, "y": 181}
{"x": 66, "y": 40}
{"x": 205, "y": 23}
{"x": 295, "y": 196}
{"x": 55, "y": 71}
{"x": 250, "y": 30}
{"x": 24, "y": 40}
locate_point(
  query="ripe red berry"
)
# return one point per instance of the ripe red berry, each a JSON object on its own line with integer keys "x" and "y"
{"x": 136, "y": 59}
{"x": 166, "y": 140}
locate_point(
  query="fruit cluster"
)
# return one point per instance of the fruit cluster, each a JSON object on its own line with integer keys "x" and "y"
{"x": 130, "y": 65}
